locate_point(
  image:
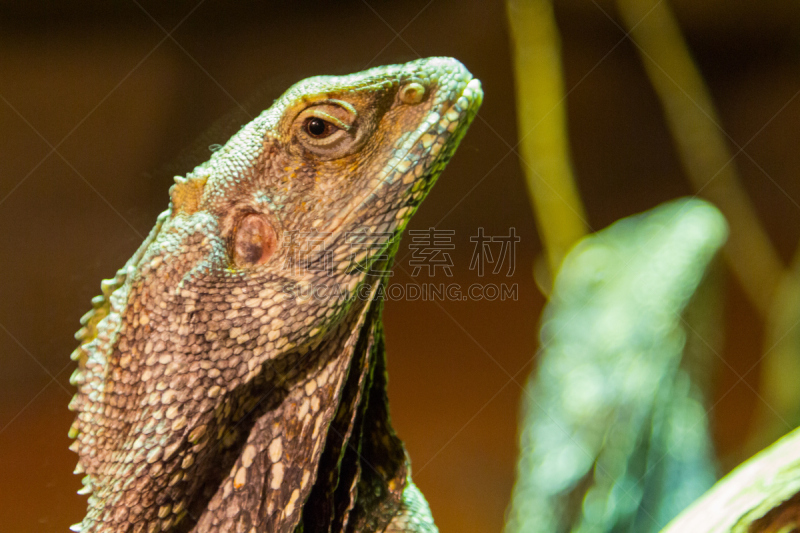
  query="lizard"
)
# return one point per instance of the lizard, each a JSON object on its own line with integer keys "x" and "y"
{"x": 232, "y": 375}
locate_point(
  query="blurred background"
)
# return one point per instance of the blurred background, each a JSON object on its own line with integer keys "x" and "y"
{"x": 101, "y": 104}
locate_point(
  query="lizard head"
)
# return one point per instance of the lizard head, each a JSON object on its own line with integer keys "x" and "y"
{"x": 313, "y": 192}
{"x": 318, "y": 188}
{"x": 334, "y": 155}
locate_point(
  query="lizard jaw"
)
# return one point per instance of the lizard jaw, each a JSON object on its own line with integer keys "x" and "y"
{"x": 425, "y": 148}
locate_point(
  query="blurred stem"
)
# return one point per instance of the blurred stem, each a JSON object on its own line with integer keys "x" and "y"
{"x": 779, "y": 411}
{"x": 694, "y": 124}
{"x": 542, "y": 122}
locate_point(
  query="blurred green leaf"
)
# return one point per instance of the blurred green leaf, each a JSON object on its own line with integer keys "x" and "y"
{"x": 614, "y": 431}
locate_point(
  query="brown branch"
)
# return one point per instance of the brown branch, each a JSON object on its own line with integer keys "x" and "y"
{"x": 760, "y": 496}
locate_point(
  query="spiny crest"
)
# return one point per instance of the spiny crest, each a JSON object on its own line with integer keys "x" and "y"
{"x": 187, "y": 193}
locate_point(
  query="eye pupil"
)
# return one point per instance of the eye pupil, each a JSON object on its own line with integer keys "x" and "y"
{"x": 316, "y": 127}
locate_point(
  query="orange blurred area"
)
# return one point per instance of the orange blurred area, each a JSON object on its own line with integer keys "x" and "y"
{"x": 102, "y": 104}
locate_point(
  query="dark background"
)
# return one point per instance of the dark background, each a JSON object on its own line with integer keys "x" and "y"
{"x": 102, "y": 103}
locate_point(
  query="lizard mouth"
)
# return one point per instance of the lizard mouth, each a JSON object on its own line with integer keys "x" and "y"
{"x": 434, "y": 140}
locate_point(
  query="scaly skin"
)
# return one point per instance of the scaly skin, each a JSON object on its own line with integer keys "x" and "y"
{"x": 232, "y": 375}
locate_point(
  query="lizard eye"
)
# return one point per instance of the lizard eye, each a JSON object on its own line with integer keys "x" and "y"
{"x": 327, "y": 129}
{"x": 254, "y": 241}
{"x": 318, "y": 128}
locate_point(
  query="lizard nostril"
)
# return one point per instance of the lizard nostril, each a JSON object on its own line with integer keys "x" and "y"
{"x": 255, "y": 241}
{"x": 413, "y": 93}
